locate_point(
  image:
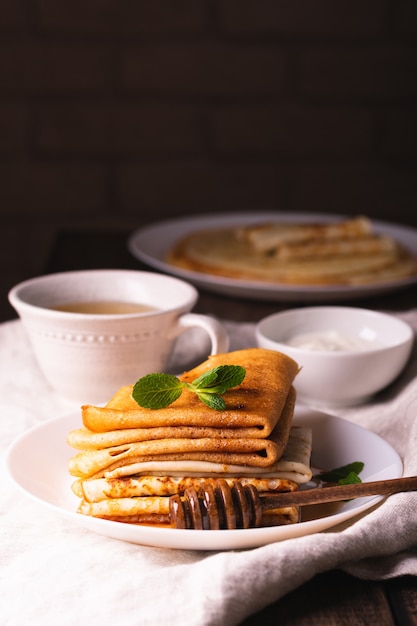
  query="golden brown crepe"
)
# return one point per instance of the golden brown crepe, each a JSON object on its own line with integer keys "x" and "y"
{"x": 340, "y": 248}
{"x": 96, "y": 490}
{"x": 255, "y": 405}
{"x": 171, "y": 477}
{"x": 271, "y": 236}
{"x": 226, "y": 451}
{"x": 134, "y": 498}
{"x": 154, "y": 510}
{"x": 131, "y": 459}
{"x": 292, "y": 465}
{"x": 341, "y": 253}
{"x": 253, "y": 429}
{"x": 143, "y": 498}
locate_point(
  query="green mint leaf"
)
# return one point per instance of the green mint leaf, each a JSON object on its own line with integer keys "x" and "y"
{"x": 220, "y": 379}
{"x": 212, "y": 400}
{"x": 205, "y": 380}
{"x": 350, "y": 479}
{"x": 156, "y": 391}
{"x": 341, "y": 473}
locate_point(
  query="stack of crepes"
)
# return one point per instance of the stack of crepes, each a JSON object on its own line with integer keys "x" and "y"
{"x": 343, "y": 252}
{"x": 132, "y": 459}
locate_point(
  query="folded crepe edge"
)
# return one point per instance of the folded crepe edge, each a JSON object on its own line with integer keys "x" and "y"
{"x": 245, "y": 407}
{"x": 243, "y": 451}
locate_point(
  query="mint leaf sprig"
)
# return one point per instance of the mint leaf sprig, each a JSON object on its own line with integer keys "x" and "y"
{"x": 157, "y": 391}
{"x": 344, "y": 475}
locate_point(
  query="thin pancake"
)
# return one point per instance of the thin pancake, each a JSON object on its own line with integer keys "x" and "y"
{"x": 144, "y": 499}
{"x": 132, "y": 459}
{"x": 270, "y": 236}
{"x": 84, "y": 439}
{"x": 255, "y": 405}
{"x": 343, "y": 248}
{"x": 280, "y": 259}
{"x": 259, "y": 452}
{"x": 96, "y": 490}
{"x": 167, "y": 478}
{"x": 293, "y": 465}
{"x": 154, "y": 510}
{"x": 126, "y": 507}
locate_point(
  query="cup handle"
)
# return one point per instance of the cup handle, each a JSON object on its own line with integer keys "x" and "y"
{"x": 217, "y": 333}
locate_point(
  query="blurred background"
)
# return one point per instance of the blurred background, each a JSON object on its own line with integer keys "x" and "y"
{"x": 118, "y": 113}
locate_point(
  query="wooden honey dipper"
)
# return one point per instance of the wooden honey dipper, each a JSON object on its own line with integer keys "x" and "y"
{"x": 222, "y": 507}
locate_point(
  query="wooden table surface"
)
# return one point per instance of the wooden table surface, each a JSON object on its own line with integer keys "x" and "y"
{"x": 331, "y": 598}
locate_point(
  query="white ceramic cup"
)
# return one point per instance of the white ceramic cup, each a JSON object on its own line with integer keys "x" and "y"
{"x": 87, "y": 357}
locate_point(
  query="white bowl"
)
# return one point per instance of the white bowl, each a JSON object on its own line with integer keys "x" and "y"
{"x": 381, "y": 346}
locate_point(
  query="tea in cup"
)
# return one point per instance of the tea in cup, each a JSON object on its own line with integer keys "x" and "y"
{"x": 94, "y": 331}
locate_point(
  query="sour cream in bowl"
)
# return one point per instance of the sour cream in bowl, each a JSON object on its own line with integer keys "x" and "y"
{"x": 346, "y": 354}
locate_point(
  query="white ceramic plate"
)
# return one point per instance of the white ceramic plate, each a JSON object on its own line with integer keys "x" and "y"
{"x": 152, "y": 243}
{"x": 38, "y": 460}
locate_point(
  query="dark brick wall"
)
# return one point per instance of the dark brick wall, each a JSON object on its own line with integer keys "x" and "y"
{"x": 113, "y": 113}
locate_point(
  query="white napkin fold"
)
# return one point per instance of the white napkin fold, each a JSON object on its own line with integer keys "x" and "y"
{"x": 53, "y": 572}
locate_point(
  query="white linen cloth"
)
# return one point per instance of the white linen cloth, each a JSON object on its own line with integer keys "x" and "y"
{"x": 54, "y": 572}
